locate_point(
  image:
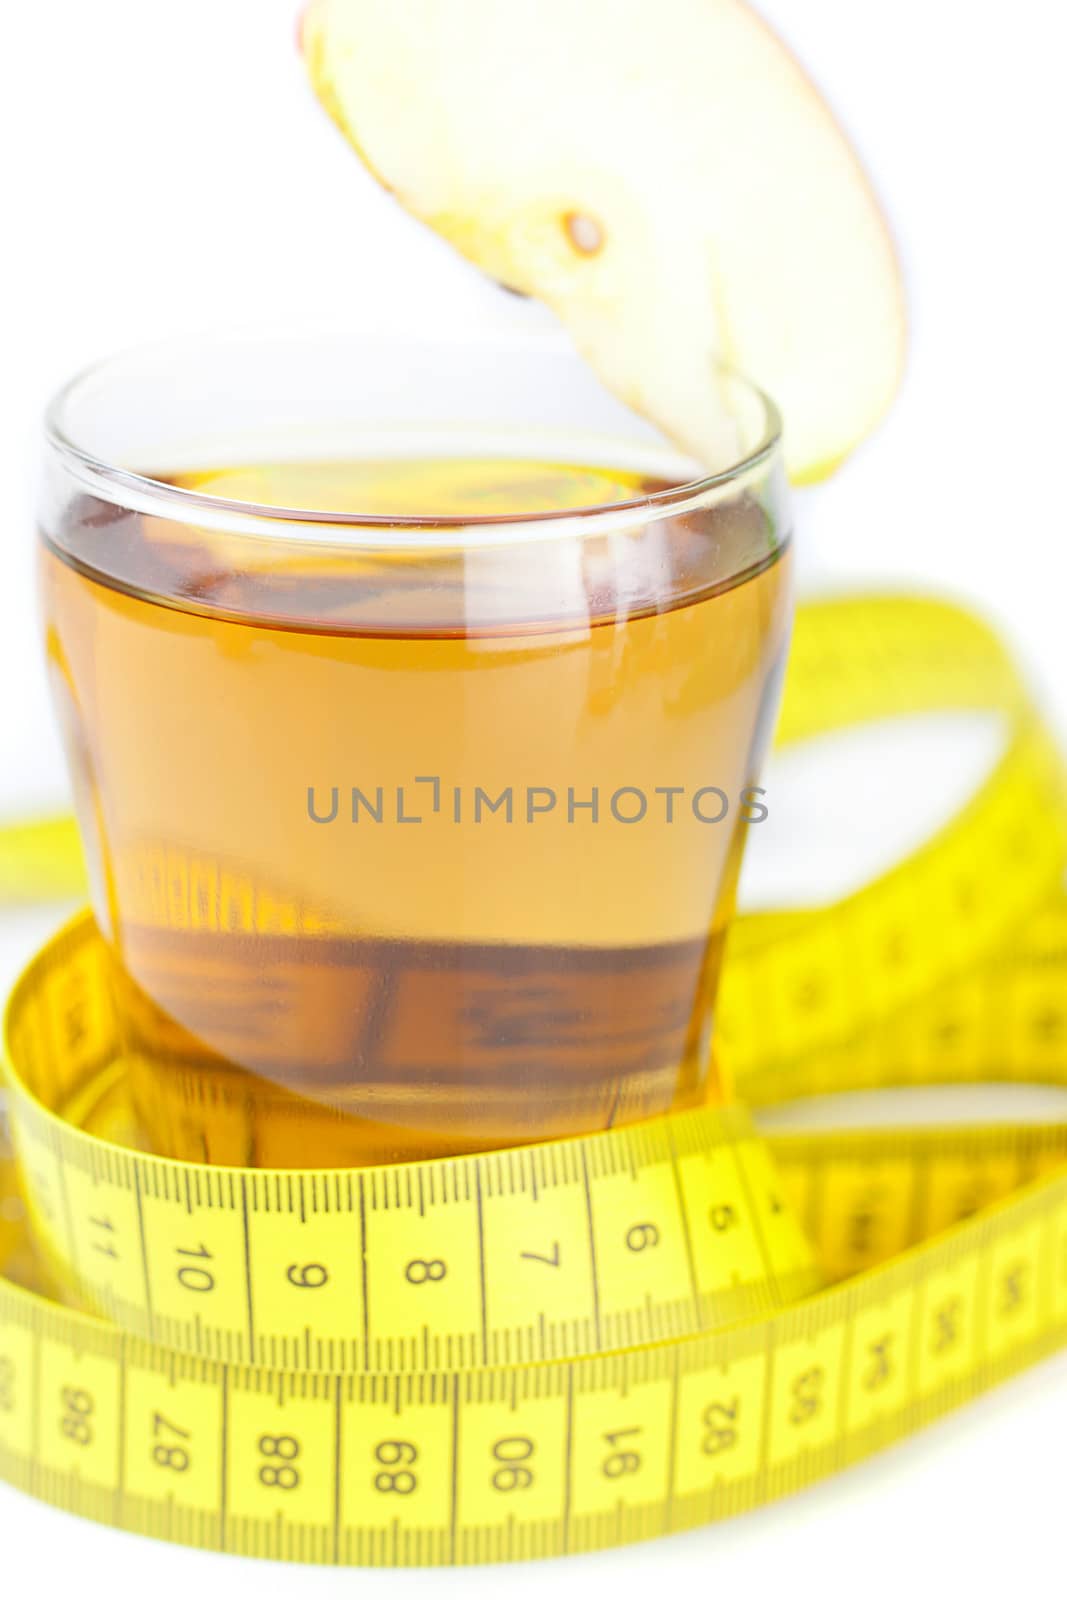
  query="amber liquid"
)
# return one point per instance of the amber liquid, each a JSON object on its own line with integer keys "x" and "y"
{"x": 305, "y": 976}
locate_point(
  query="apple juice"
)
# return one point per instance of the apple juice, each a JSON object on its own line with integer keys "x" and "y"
{"x": 413, "y": 849}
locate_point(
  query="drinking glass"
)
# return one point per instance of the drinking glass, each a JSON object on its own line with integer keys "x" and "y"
{"x": 414, "y": 693}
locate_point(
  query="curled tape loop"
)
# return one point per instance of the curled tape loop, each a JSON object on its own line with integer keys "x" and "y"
{"x": 593, "y": 1340}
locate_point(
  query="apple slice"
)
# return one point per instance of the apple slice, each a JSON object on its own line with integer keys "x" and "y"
{"x": 660, "y": 172}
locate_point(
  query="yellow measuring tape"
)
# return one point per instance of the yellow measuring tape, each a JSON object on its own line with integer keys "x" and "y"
{"x": 589, "y": 1341}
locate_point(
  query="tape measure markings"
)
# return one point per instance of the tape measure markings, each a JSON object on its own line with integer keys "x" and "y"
{"x": 150, "y": 1240}
{"x": 959, "y": 1330}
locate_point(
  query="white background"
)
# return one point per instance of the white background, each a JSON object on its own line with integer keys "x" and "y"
{"x": 165, "y": 168}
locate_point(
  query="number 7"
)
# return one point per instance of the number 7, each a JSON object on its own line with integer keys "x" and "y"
{"x": 550, "y": 1261}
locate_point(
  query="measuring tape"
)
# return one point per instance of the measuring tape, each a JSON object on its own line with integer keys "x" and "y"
{"x": 588, "y": 1341}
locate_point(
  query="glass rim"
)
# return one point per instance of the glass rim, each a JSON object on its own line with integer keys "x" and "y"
{"x": 128, "y": 486}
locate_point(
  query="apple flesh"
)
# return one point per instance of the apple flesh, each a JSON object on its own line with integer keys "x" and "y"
{"x": 663, "y": 175}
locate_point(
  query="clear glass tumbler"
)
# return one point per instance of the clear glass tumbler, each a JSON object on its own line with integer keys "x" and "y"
{"x": 414, "y": 693}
